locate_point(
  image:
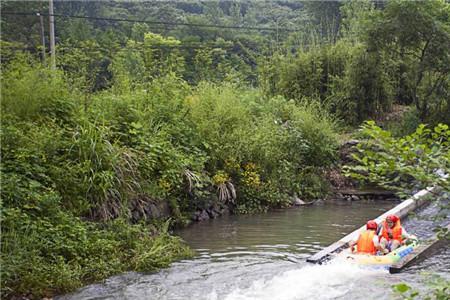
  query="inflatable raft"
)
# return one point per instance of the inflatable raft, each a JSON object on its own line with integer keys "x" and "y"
{"x": 378, "y": 260}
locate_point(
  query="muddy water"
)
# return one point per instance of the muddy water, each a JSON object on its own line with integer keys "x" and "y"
{"x": 264, "y": 257}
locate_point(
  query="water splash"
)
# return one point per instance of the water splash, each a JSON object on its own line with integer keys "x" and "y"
{"x": 330, "y": 281}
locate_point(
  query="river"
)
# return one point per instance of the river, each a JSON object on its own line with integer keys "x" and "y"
{"x": 264, "y": 257}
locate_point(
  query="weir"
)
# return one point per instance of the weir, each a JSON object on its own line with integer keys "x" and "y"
{"x": 427, "y": 248}
{"x": 401, "y": 210}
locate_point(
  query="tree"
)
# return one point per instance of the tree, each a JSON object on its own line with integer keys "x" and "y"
{"x": 24, "y": 29}
{"x": 326, "y": 14}
{"x": 84, "y": 64}
{"x": 416, "y": 34}
{"x": 161, "y": 55}
{"x": 354, "y": 13}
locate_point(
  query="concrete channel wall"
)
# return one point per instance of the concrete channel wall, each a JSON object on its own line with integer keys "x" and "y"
{"x": 401, "y": 210}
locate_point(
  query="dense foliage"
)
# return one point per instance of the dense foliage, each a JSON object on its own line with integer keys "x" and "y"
{"x": 415, "y": 161}
{"x": 68, "y": 160}
{"x": 57, "y": 166}
{"x": 397, "y": 55}
{"x": 143, "y": 115}
{"x": 208, "y": 52}
{"x": 350, "y": 55}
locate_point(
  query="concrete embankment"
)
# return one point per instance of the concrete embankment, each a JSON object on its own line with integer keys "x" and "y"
{"x": 424, "y": 250}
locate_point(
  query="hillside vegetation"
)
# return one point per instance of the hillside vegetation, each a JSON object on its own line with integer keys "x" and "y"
{"x": 140, "y": 127}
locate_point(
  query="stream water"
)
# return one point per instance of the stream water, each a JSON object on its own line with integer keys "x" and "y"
{"x": 264, "y": 257}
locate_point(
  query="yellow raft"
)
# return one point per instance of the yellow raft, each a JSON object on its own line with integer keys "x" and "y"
{"x": 378, "y": 260}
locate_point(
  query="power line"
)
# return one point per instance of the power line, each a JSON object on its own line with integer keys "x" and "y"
{"x": 157, "y": 22}
{"x": 142, "y": 47}
{"x": 125, "y": 47}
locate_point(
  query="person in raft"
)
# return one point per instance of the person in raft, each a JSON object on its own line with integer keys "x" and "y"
{"x": 368, "y": 241}
{"x": 392, "y": 235}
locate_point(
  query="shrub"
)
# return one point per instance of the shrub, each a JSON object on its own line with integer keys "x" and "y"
{"x": 59, "y": 253}
{"x": 418, "y": 160}
{"x": 280, "y": 138}
{"x": 31, "y": 91}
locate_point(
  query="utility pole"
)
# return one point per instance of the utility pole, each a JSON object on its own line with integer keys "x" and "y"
{"x": 52, "y": 34}
{"x": 41, "y": 18}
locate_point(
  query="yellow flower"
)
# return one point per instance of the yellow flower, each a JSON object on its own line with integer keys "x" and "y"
{"x": 164, "y": 184}
{"x": 250, "y": 167}
{"x": 231, "y": 165}
{"x": 251, "y": 179}
{"x": 220, "y": 178}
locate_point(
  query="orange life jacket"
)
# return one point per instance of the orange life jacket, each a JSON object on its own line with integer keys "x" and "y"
{"x": 396, "y": 231}
{"x": 365, "y": 242}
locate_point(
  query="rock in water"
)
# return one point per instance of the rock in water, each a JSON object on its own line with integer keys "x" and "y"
{"x": 203, "y": 216}
{"x": 298, "y": 202}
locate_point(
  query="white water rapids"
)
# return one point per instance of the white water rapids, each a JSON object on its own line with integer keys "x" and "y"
{"x": 331, "y": 281}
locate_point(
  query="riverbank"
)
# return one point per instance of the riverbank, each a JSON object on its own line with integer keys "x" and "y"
{"x": 47, "y": 257}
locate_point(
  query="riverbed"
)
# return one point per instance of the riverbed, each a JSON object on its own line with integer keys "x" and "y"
{"x": 264, "y": 257}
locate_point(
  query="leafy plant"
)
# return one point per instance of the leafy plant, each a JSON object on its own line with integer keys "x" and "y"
{"x": 418, "y": 160}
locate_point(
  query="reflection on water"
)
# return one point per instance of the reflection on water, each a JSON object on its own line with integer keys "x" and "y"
{"x": 302, "y": 230}
{"x": 263, "y": 257}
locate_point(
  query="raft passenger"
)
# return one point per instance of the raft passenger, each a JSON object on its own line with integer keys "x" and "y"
{"x": 392, "y": 235}
{"x": 368, "y": 241}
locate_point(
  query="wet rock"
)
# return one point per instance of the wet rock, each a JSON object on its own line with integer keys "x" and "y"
{"x": 148, "y": 209}
{"x": 155, "y": 213}
{"x": 298, "y": 202}
{"x": 25, "y": 297}
{"x": 212, "y": 213}
{"x": 195, "y": 215}
{"x": 135, "y": 215}
{"x": 355, "y": 198}
{"x": 216, "y": 209}
{"x": 225, "y": 210}
{"x": 319, "y": 202}
{"x": 164, "y": 208}
{"x": 392, "y": 199}
{"x": 203, "y": 216}
{"x": 213, "y": 210}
